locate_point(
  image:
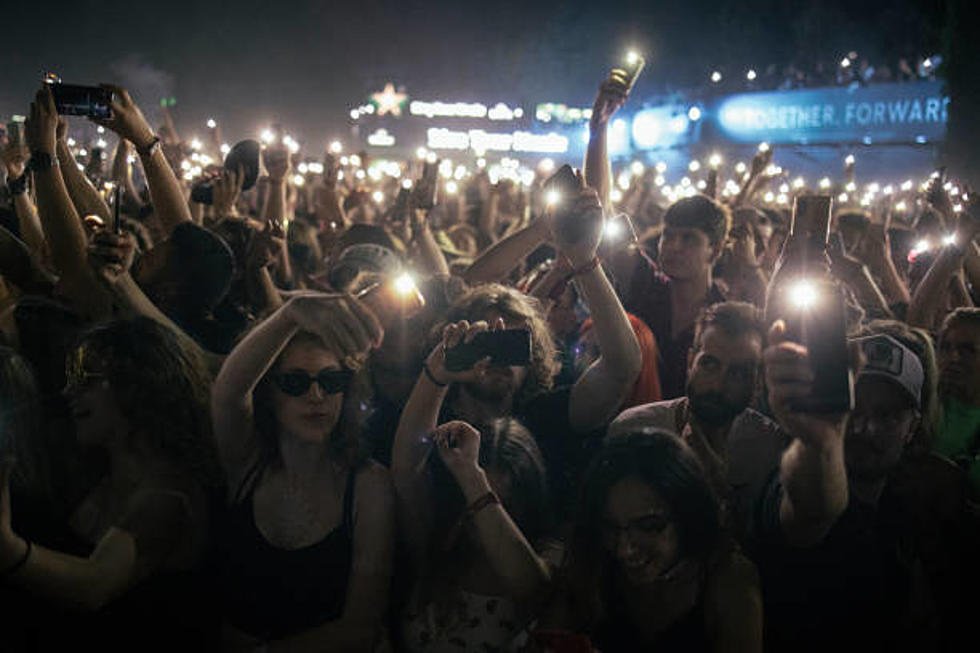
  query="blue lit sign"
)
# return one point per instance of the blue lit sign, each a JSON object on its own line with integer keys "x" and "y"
{"x": 660, "y": 127}
{"x": 881, "y": 113}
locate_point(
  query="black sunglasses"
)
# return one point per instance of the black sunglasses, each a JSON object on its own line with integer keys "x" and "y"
{"x": 297, "y": 384}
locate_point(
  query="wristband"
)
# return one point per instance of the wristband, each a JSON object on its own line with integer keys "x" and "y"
{"x": 588, "y": 267}
{"x": 432, "y": 377}
{"x": 488, "y": 499}
{"x": 149, "y": 148}
{"x": 18, "y": 186}
{"x": 42, "y": 161}
{"x": 20, "y": 562}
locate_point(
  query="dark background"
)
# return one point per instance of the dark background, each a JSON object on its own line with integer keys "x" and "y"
{"x": 307, "y": 63}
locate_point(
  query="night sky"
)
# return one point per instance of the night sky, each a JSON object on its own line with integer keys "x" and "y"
{"x": 307, "y": 63}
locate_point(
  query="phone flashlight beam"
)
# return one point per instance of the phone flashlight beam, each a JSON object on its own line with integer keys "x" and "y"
{"x": 803, "y": 294}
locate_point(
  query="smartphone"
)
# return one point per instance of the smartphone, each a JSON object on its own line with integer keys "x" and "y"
{"x": 400, "y": 209}
{"x": 427, "y": 188}
{"x": 819, "y": 324}
{"x": 628, "y": 71}
{"x": 15, "y": 130}
{"x": 506, "y": 347}
{"x": 564, "y": 184}
{"x": 393, "y": 300}
{"x": 88, "y": 101}
{"x": 811, "y": 218}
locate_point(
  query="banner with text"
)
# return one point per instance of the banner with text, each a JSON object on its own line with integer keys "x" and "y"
{"x": 913, "y": 112}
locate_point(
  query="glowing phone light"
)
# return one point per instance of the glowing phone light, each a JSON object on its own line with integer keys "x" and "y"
{"x": 552, "y": 198}
{"x": 803, "y": 294}
{"x": 405, "y": 284}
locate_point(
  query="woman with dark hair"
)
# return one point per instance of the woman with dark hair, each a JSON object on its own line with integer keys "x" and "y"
{"x": 306, "y": 548}
{"x": 140, "y": 395}
{"x": 469, "y": 514}
{"x": 649, "y": 566}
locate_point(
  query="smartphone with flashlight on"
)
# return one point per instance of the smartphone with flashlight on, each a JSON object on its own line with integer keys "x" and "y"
{"x": 560, "y": 190}
{"x": 88, "y": 101}
{"x": 811, "y": 218}
{"x": 505, "y": 347}
{"x": 393, "y": 299}
{"x": 626, "y": 73}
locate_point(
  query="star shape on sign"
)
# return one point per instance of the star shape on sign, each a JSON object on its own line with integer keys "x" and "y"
{"x": 389, "y": 100}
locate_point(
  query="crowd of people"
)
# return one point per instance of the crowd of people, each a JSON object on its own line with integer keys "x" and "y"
{"x": 237, "y": 415}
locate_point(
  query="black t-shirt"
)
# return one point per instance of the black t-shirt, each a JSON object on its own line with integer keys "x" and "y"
{"x": 856, "y": 590}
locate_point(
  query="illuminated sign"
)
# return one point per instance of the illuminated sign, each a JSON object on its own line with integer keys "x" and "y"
{"x": 561, "y": 113}
{"x": 882, "y": 113}
{"x": 447, "y": 109}
{"x": 660, "y": 127}
{"x": 389, "y": 100}
{"x": 499, "y": 111}
{"x": 479, "y": 140}
{"x": 381, "y": 138}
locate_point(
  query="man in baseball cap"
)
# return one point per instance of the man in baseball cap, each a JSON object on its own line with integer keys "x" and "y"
{"x": 887, "y": 411}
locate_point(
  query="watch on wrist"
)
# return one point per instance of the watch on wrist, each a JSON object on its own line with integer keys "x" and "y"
{"x": 17, "y": 186}
{"x": 42, "y": 161}
{"x": 149, "y": 149}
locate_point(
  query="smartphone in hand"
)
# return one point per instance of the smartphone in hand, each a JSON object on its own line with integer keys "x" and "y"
{"x": 815, "y": 317}
{"x": 627, "y": 72}
{"x": 426, "y": 190}
{"x": 506, "y": 347}
{"x": 87, "y": 101}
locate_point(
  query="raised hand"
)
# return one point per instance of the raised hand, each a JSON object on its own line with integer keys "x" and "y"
{"x": 276, "y": 160}
{"x": 226, "y": 189}
{"x": 577, "y": 227}
{"x": 264, "y": 246}
{"x": 14, "y": 159}
{"x": 127, "y": 120}
{"x": 40, "y": 129}
{"x": 346, "y": 326}
{"x": 608, "y": 101}
{"x": 789, "y": 377}
{"x": 455, "y": 334}
{"x": 458, "y": 444}
{"x": 111, "y": 256}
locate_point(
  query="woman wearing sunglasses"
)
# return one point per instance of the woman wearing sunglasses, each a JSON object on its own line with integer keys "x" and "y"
{"x": 306, "y": 548}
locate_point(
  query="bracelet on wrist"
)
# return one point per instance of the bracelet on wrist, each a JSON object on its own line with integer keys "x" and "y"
{"x": 431, "y": 376}
{"x": 148, "y": 149}
{"x": 489, "y": 498}
{"x": 42, "y": 161}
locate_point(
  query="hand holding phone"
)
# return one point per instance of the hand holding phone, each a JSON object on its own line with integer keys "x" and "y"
{"x": 503, "y": 347}
{"x": 426, "y": 189}
{"x": 813, "y": 313}
{"x": 87, "y": 101}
